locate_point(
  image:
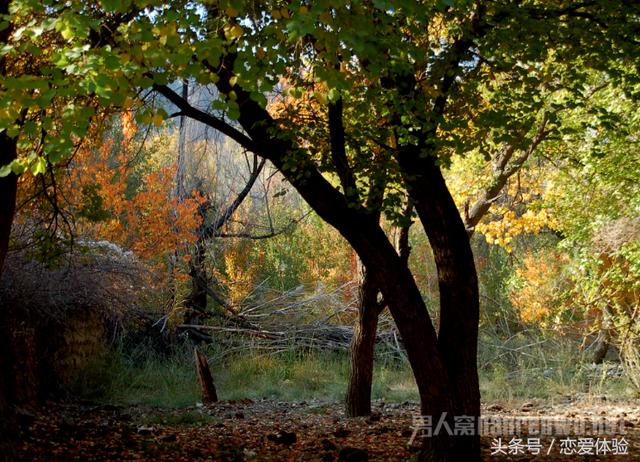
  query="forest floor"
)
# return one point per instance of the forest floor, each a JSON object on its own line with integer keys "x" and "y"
{"x": 268, "y": 430}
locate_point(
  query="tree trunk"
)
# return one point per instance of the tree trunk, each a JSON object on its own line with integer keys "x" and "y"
{"x": 207, "y": 387}
{"x": 603, "y": 342}
{"x": 8, "y": 189}
{"x": 358, "y": 400}
{"x": 458, "y": 286}
{"x": 197, "y": 299}
{"x": 8, "y": 421}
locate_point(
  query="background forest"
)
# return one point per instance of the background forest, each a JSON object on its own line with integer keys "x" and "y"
{"x": 426, "y": 202}
{"x": 151, "y": 208}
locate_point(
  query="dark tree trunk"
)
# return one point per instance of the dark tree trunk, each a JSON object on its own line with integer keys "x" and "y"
{"x": 197, "y": 299}
{"x": 8, "y": 189}
{"x": 358, "y": 400}
{"x": 602, "y": 348}
{"x": 458, "y": 285}
{"x": 8, "y": 421}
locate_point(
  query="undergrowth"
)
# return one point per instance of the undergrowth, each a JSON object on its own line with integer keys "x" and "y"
{"x": 518, "y": 368}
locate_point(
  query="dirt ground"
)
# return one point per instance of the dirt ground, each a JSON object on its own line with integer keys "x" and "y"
{"x": 267, "y": 430}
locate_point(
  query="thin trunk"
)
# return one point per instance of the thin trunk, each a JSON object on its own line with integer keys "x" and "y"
{"x": 197, "y": 299}
{"x": 181, "y": 174}
{"x": 358, "y": 400}
{"x": 604, "y": 337}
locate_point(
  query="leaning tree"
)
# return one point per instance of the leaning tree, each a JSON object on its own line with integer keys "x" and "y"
{"x": 387, "y": 75}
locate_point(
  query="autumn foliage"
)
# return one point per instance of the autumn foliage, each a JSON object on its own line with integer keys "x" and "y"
{"x": 111, "y": 196}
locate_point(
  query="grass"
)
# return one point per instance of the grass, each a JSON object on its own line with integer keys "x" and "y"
{"x": 527, "y": 365}
{"x": 519, "y": 368}
{"x": 131, "y": 378}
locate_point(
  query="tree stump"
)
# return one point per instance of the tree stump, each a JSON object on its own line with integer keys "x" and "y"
{"x": 207, "y": 387}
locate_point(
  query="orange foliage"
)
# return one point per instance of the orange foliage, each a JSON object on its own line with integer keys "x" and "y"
{"x": 299, "y": 106}
{"x": 96, "y": 188}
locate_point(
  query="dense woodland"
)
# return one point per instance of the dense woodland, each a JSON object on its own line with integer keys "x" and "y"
{"x": 358, "y": 211}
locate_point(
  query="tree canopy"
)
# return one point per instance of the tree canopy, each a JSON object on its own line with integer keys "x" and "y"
{"x": 375, "y": 98}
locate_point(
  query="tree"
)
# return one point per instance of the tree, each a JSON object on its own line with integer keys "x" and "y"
{"x": 598, "y": 220}
{"x": 405, "y": 65}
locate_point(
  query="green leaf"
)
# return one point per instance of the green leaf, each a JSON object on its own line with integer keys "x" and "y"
{"x": 5, "y": 170}
{"x": 18, "y": 167}
{"x": 39, "y": 166}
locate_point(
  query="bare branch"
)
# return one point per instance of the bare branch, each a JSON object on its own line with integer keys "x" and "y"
{"x": 504, "y": 167}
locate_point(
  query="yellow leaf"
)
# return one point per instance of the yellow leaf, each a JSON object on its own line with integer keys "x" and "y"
{"x": 233, "y": 32}
{"x": 157, "y": 120}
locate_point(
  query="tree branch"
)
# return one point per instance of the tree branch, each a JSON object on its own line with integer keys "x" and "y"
{"x": 502, "y": 171}
{"x": 212, "y": 229}
{"x": 338, "y": 151}
{"x": 207, "y": 119}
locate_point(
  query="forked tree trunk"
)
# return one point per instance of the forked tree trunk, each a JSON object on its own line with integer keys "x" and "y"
{"x": 397, "y": 285}
{"x": 458, "y": 287}
{"x": 358, "y": 400}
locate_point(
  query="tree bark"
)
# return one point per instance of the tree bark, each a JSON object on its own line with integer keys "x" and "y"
{"x": 358, "y": 400}
{"x": 197, "y": 299}
{"x": 8, "y": 421}
{"x": 8, "y": 189}
{"x": 207, "y": 387}
{"x": 458, "y": 286}
{"x": 8, "y": 153}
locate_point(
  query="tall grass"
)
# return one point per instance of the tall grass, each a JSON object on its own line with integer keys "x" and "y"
{"x": 142, "y": 376}
{"x": 534, "y": 364}
{"x": 521, "y": 367}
